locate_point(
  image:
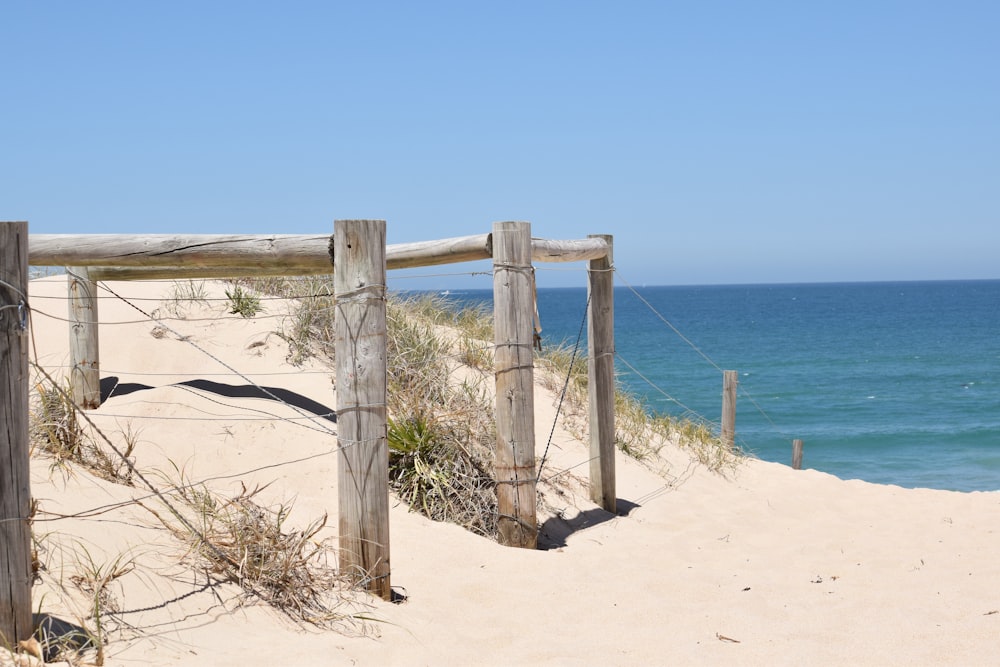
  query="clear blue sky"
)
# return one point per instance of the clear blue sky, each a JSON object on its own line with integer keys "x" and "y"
{"x": 719, "y": 142}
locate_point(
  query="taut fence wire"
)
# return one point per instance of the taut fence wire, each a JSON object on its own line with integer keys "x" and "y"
{"x": 596, "y": 250}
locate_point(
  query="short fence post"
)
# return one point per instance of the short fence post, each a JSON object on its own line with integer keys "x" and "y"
{"x": 84, "y": 355}
{"x": 797, "y": 454}
{"x": 513, "y": 315}
{"x": 15, "y": 491}
{"x": 729, "y": 382}
{"x": 363, "y": 453}
{"x": 601, "y": 378}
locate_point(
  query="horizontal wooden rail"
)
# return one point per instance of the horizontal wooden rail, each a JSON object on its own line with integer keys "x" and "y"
{"x": 308, "y": 253}
{"x": 158, "y": 256}
{"x": 180, "y": 272}
{"x": 545, "y": 250}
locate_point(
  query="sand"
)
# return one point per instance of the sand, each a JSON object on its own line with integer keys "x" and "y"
{"x": 757, "y": 565}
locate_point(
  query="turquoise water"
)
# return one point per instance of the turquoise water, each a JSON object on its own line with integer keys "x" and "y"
{"x": 895, "y": 383}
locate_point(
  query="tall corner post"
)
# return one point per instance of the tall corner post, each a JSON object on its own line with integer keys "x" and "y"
{"x": 513, "y": 315}
{"x": 84, "y": 355}
{"x": 15, "y": 487}
{"x": 601, "y": 376}
{"x": 359, "y": 280}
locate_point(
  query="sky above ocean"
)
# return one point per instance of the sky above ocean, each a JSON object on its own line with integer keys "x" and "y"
{"x": 719, "y": 142}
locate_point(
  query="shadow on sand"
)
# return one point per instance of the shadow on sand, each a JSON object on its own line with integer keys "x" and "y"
{"x": 111, "y": 387}
{"x": 57, "y": 635}
{"x": 553, "y": 533}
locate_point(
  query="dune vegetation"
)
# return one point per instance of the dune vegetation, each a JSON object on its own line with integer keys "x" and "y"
{"x": 441, "y": 432}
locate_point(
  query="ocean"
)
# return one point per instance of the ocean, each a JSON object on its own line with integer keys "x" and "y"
{"x": 890, "y": 382}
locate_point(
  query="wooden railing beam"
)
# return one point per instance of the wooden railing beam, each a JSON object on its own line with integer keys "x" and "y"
{"x": 163, "y": 256}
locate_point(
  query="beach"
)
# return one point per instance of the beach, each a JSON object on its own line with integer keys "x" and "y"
{"x": 754, "y": 564}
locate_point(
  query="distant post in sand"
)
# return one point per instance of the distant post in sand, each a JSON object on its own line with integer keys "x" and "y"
{"x": 797, "y": 454}
{"x": 15, "y": 491}
{"x": 513, "y": 321}
{"x": 729, "y": 382}
{"x": 359, "y": 275}
{"x": 84, "y": 355}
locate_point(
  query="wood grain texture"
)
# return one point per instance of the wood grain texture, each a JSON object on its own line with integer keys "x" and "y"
{"x": 209, "y": 255}
{"x": 363, "y": 452}
{"x": 601, "y": 378}
{"x": 15, "y": 491}
{"x": 577, "y": 250}
{"x": 164, "y": 256}
{"x": 513, "y": 303}
{"x": 84, "y": 354}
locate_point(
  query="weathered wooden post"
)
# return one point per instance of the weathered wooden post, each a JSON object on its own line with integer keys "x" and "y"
{"x": 797, "y": 454}
{"x": 513, "y": 315}
{"x": 601, "y": 377}
{"x": 729, "y": 382}
{"x": 360, "y": 348}
{"x": 84, "y": 356}
{"x": 15, "y": 491}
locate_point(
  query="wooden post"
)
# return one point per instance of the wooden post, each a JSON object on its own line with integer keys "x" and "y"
{"x": 84, "y": 357}
{"x": 797, "y": 454}
{"x": 360, "y": 351}
{"x": 513, "y": 314}
{"x": 15, "y": 492}
{"x": 729, "y": 382}
{"x": 601, "y": 378}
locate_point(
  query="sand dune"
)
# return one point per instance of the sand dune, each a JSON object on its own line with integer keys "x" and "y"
{"x": 759, "y": 565}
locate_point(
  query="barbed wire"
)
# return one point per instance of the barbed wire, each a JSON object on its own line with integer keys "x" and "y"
{"x": 688, "y": 412}
{"x": 314, "y": 421}
{"x": 187, "y": 339}
{"x": 669, "y": 324}
{"x": 653, "y": 385}
{"x": 108, "y": 371}
{"x": 742, "y": 391}
{"x": 562, "y": 395}
{"x": 306, "y": 419}
{"x": 447, "y": 274}
{"x": 189, "y": 299}
{"x": 101, "y": 509}
{"x": 158, "y": 319}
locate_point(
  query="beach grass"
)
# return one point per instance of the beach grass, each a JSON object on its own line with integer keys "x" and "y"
{"x": 639, "y": 433}
{"x": 441, "y": 434}
{"x": 239, "y": 539}
{"x": 441, "y": 429}
{"x": 56, "y": 430}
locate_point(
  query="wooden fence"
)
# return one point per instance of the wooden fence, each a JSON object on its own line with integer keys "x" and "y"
{"x": 358, "y": 258}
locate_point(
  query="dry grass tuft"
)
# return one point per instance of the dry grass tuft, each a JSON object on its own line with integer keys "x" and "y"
{"x": 699, "y": 438}
{"x": 246, "y": 543}
{"x": 94, "y": 580}
{"x": 184, "y": 293}
{"x": 441, "y": 435}
{"x": 308, "y": 330}
{"x": 55, "y": 430}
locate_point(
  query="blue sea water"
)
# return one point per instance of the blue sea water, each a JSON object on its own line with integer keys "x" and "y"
{"x": 894, "y": 383}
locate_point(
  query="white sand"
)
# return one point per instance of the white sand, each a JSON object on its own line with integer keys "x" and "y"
{"x": 762, "y": 566}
